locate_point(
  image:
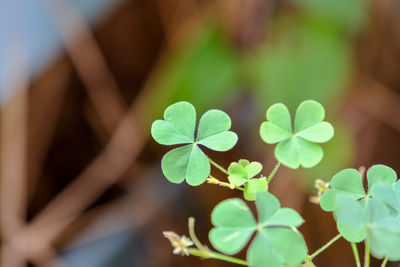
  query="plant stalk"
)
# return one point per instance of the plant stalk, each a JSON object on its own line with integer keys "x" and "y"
{"x": 219, "y": 167}
{"x": 384, "y": 262}
{"x": 355, "y": 253}
{"x": 316, "y": 253}
{"x": 366, "y": 254}
{"x": 272, "y": 174}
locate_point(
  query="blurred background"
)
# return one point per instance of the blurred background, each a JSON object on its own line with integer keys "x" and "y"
{"x": 82, "y": 80}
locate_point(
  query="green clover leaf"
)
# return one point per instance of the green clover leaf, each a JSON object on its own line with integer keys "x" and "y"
{"x": 178, "y": 127}
{"x": 348, "y": 181}
{"x": 277, "y": 241}
{"x": 297, "y": 147}
{"x": 372, "y": 221}
{"x": 389, "y": 194}
{"x": 242, "y": 172}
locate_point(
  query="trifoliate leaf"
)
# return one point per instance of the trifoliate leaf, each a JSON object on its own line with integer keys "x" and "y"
{"x": 372, "y": 221}
{"x": 297, "y": 147}
{"x": 348, "y": 181}
{"x": 178, "y": 127}
{"x": 277, "y": 241}
{"x": 240, "y": 172}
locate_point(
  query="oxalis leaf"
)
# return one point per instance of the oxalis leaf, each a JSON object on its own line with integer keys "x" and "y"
{"x": 348, "y": 181}
{"x": 390, "y": 194}
{"x": 299, "y": 146}
{"x": 242, "y": 173}
{"x": 371, "y": 220}
{"x": 178, "y": 127}
{"x": 277, "y": 241}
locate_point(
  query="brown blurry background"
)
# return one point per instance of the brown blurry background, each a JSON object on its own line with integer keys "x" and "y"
{"x": 81, "y": 182}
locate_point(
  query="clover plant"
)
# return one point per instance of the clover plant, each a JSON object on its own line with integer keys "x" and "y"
{"x": 371, "y": 216}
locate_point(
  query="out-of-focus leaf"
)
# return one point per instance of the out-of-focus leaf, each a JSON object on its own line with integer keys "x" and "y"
{"x": 305, "y": 62}
{"x": 350, "y": 14}
{"x": 202, "y": 71}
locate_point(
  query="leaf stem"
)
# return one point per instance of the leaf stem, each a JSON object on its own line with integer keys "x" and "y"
{"x": 355, "y": 253}
{"x": 384, "y": 262}
{"x": 366, "y": 253}
{"x": 271, "y": 175}
{"x": 193, "y": 236}
{"x": 333, "y": 240}
{"x": 213, "y": 180}
{"x": 219, "y": 167}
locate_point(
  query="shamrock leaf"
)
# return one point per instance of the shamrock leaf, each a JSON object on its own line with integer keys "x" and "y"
{"x": 178, "y": 127}
{"x": 372, "y": 221}
{"x": 242, "y": 172}
{"x": 297, "y": 147}
{"x": 348, "y": 181}
{"x": 277, "y": 241}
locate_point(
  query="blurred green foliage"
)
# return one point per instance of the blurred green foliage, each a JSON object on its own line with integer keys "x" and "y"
{"x": 203, "y": 71}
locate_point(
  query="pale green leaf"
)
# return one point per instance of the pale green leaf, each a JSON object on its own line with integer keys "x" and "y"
{"x": 318, "y": 133}
{"x": 271, "y": 133}
{"x": 220, "y": 142}
{"x": 380, "y": 173}
{"x": 267, "y": 204}
{"x": 186, "y": 162}
{"x": 279, "y": 115}
{"x": 178, "y": 125}
{"x": 286, "y": 217}
{"x": 308, "y": 114}
{"x": 253, "y": 186}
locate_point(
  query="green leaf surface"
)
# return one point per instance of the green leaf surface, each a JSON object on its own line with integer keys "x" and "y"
{"x": 178, "y": 125}
{"x": 186, "y": 162}
{"x": 213, "y": 131}
{"x": 240, "y": 172}
{"x": 380, "y": 173}
{"x": 234, "y": 226}
{"x": 351, "y": 218}
{"x": 253, "y": 186}
{"x": 347, "y": 181}
{"x": 319, "y": 133}
{"x": 277, "y": 241}
{"x": 285, "y": 216}
{"x": 390, "y": 194}
{"x": 278, "y": 114}
{"x": 385, "y": 238}
{"x": 308, "y": 114}
{"x": 371, "y": 219}
{"x": 275, "y": 247}
{"x": 267, "y": 204}
{"x": 298, "y": 148}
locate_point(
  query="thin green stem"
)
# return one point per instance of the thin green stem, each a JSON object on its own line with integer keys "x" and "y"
{"x": 219, "y": 167}
{"x": 271, "y": 175}
{"x": 384, "y": 262}
{"x": 366, "y": 253}
{"x": 355, "y": 253}
{"x": 208, "y": 254}
{"x": 204, "y": 252}
{"x": 193, "y": 236}
{"x": 327, "y": 245}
